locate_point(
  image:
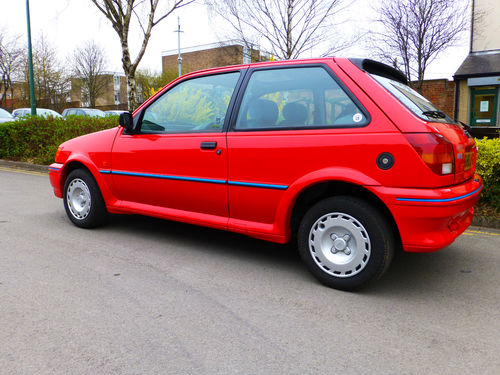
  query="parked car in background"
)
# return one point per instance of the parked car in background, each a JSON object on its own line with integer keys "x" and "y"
{"x": 21, "y": 112}
{"x": 114, "y": 112}
{"x": 341, "y": 155}
{"x": 90, "y": 112}
{"x": 5, "y": 116}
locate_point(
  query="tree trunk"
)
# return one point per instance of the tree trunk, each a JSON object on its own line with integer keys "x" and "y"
{"x": 131, "y": 93}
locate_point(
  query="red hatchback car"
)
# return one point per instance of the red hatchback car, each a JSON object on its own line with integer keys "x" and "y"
{"x": 338, "y": 154}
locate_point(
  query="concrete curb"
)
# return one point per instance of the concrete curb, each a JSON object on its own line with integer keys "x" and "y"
{"x": 24, "y": 166}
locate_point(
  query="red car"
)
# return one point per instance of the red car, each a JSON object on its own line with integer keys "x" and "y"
{"x": 338, "y": 154}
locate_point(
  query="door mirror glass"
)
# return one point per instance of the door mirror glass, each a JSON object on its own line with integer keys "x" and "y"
{"x": 126, "y": 120}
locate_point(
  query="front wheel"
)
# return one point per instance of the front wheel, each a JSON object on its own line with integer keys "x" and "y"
{"x": 83, "y": 200}
{"x": 345, "y": 242}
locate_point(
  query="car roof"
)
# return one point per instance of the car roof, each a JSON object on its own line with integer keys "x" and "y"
{"x": 258, "y": 65}
{"x": 29, "y": 109}
{"x": 360, "y": 63}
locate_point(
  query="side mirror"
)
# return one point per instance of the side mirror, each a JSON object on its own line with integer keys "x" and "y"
{"x": 126, "y": 120}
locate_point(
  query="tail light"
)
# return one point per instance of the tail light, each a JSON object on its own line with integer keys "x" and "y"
{"x": 435, "y": 150}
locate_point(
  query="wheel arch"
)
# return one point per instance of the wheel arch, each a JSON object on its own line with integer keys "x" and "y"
{"x": 68, "y": 168}
{"x": 329, "y": 188}
{"x": 77, "y": 163}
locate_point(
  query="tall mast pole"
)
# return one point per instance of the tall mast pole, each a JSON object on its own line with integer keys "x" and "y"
{"x": 30, "y": 63}
{"x": 179, "y": 57}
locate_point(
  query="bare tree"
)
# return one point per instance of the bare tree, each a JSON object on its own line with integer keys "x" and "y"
{"x": 50, "y": 78}
{"x": 119, "y": 13}
{"x": 10, "y": 58}
{"x": 287, "y": 28}
{"x": 416, "y": 31}
{"x": 89, "y": 64}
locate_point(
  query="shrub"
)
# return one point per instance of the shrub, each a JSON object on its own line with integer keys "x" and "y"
{"x": 35, "y": 139}
{"x": 488, "y": 166}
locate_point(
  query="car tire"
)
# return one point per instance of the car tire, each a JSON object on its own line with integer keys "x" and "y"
{"x": 345, "y": 242}
{"x": 83, "y": 200}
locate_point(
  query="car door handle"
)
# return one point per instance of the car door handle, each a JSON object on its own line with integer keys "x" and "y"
{"x": 208, "y": 145}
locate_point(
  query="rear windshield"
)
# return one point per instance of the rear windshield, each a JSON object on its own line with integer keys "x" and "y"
{"x": 414, "y": 101}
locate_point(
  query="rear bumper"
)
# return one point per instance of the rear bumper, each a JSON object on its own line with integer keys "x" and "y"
{"x": 55, "y": 171}
{"x": 430, "y": 219}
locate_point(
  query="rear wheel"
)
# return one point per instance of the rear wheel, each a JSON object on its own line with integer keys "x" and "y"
{"x": 345, "y": 242}
{"x": 83, "y": 200}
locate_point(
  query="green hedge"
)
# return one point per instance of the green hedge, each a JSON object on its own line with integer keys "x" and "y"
{"x": 488, "y": 166}
{"x": 35, "y": 139}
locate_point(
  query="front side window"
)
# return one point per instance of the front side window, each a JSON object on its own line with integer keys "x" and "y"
{"x": 412, "y": 100}
{"x": 304, "y": 97}
{"x": 196, "y": 105}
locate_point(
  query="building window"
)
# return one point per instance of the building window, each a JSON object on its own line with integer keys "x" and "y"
{"x": 85, "y": 97}
{"x": 247, "y": 55}
{"x": 117, "y": 98}
{"x": 116, "y": 80}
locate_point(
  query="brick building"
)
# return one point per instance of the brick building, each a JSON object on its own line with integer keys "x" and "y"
{"x": 12, "y": 98}
{"x": 210, "y": 56}
{"x": 441, "y": 92}
{"x": 114, "y": 94}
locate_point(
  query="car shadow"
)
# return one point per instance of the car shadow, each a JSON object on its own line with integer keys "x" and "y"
{"x": 198, "y": 238}
{"x": 409, "y": 272}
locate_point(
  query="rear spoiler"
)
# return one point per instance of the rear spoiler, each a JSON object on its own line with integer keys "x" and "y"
{"x": 377, "y": 68}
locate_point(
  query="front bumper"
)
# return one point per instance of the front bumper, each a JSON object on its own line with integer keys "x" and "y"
{"x": 55, "y": 172}
{"x": 430, "y": 219}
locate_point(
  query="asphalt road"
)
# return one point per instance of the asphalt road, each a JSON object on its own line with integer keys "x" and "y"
{"x": 146, "y": 296}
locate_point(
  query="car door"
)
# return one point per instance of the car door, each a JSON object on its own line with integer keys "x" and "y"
{"x": 177, "y": 161}
{"x": 292, "y": 120}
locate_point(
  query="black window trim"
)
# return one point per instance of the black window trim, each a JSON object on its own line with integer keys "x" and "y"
{"x": 329, "y": 71}
{"x": 138, "y": 117}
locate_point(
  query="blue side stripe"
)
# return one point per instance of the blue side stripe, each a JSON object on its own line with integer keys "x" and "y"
{"x": 439, "y": 200}
{"x": 254, "y": 184}
{"x": 54, "y": 169}
{"x": 166, "y": 177}
{"x": 196, "y": 179}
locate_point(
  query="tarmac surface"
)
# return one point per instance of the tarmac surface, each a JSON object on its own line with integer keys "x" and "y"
{"x": 147, "y": 296}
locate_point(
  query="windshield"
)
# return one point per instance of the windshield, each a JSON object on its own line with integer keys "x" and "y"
{"x": 414, "y": 101}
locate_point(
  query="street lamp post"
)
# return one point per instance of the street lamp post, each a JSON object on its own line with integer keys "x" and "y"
{"x": 179, "y": 57}
{"x": 30, "y": 63}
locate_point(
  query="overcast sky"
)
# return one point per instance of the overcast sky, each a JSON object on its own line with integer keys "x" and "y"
{"x": 69, "y": 23}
